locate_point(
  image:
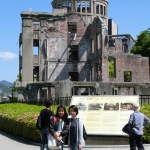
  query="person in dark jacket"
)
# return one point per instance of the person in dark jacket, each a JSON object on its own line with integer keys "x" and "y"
{"x": 140, "y": 121}
{"x": 75, "y": 125}
{"x": 46, "y": 114}
{"x": 58, "y": 126}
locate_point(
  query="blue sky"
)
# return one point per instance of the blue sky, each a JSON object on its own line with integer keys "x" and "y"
{"x": 131, "y": 16}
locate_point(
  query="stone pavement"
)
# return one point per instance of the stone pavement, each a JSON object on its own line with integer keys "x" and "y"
{"x": 10, "y": 142}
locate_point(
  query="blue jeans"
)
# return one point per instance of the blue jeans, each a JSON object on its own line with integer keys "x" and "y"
{"x": 73, "y": 146}
{"x": 44, "y": 139}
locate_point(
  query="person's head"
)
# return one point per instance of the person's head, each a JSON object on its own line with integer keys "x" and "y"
{"x": 73, "y": 111}
{"x": 48, "y": 104}
{"x": 136, "y": 106}
{"x": 61, "y": 113}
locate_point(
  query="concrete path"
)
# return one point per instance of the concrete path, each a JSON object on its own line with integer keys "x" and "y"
{"x": 10, "y": 142}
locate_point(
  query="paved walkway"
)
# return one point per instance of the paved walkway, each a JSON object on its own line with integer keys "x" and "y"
{"x": 10, "y": 142}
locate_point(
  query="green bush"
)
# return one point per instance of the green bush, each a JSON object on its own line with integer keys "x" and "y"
{"x": 146, "y": 110}
{"x": 20, "y": 119}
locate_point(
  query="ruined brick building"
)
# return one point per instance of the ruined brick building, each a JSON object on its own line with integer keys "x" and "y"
{"x": 67, "y": 52}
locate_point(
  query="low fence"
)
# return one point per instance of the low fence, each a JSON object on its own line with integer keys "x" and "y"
{"x": 144, "y": 99}
{"x": 65, "y": 101}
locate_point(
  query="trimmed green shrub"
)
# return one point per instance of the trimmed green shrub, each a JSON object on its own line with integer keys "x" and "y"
{"x": 20, "y": 119}
{"x": 145, "y": 108}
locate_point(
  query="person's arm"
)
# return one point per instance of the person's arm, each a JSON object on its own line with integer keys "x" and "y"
{"x": 146, "y": 121}
{"x": 65, "y": 130}
{"x": 51, "y": 126}
{"x": 80, "y": 133}
{"x": 131, "y": 119}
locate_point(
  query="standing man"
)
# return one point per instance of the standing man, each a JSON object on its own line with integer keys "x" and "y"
{"x": 46, "y": 114}
{"x": 140, "y": 121}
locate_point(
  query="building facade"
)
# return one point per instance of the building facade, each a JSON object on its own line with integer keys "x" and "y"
{"x": 69, "y": 52}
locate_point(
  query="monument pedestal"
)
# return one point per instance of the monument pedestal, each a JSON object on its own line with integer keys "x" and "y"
{"x": 106, "y": 140}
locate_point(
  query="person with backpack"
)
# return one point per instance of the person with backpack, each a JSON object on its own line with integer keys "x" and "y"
{"x": 75, "y": 125}
{"x": 58, "y": 126}
{"x": 139, "y": 121}
{"x": 45, "y": 114}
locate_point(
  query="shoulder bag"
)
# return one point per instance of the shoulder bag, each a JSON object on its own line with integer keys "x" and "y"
{"x": 129, "y": 127}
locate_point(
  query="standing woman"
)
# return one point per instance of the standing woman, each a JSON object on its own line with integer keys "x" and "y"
{"x": 75, "y": 138}
{"x": 58, "y": 126}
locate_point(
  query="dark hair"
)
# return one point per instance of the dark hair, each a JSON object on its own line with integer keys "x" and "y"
{"x": 75, "y": 108}
{"x": 65, "y": 116}
{"x": 48, "y": 103}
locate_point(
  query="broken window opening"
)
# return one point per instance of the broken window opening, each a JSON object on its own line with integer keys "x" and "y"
{"x": 59, "y": 6}
{"x": 88, "y": 5}
{"x": 64, "y": 5}
{"x": 125, "y": 45}
{"x": 73, "y": 52}
{"x": 97, "y": 8}
{"x": 68, "y": 6}
{"x": 115, "y": 91}
{"x": 104, "y": 11}
{"x": 73, "y": 76}
{"x": 78, "y": 6}
{"x": 112, "y": 67}
{"x": 101, "y": 9}
{"x": 111, "y": 42}
{"x": 35, "y": 47}
{"x": 36, "y": 73}
{"x": 83, "y": 7}
{"x": 127, "y": 76}
{"x": 72, "y": 27}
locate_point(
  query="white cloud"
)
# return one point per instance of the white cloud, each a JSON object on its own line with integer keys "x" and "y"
{"x": 7, "y": 56}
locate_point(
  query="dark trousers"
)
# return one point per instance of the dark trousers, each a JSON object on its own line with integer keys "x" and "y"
{"x": 135, "y": 141}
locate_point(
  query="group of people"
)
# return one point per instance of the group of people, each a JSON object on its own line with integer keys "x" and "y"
{"x": 63, "y": 129}
{"x": 60, "y": 127}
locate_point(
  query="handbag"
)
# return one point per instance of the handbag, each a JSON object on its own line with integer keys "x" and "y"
{"x": 52, "y": 143}
{"x": 129, "y": 127}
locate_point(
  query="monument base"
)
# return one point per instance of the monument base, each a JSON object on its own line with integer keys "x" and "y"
{"x": 106, "y": 140}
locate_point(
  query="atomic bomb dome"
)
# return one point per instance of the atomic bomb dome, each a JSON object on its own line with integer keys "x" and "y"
{"x": 87, "y": 9}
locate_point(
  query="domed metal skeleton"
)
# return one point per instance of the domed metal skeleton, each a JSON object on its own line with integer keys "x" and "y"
{"x": 87, "y": 9}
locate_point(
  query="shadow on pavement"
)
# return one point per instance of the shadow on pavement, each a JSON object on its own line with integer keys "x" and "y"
{"x": 16, "y": 138}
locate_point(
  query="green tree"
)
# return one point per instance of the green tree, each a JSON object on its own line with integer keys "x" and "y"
{"x": 111, "y": 69}
{"x": 142, "y": 44}
{"x": 13, "y": 88}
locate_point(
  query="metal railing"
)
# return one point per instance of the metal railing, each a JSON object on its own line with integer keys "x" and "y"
{"x": 65, "y": 101}
{"x": 144, "y": 99}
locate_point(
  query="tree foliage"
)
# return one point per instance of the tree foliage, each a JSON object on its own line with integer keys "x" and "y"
{"x": 142, "y": 45}
{"x": 111, "y": 69}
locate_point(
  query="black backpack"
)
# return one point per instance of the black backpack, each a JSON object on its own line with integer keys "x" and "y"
{"x": 38, "y": 123}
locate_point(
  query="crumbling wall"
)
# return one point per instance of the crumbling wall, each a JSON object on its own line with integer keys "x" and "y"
{"x": 137, "y": 65}
{"x": 58, "y": 43}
